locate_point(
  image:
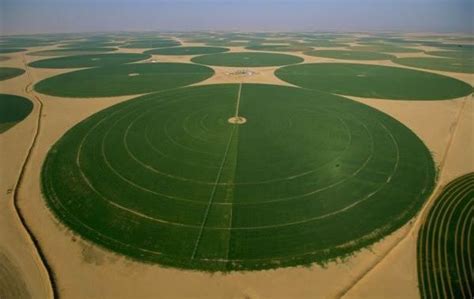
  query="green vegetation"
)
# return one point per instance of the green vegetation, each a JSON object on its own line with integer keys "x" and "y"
{"x": 187, "y": 51}
{"x": 13, "y": 109}
{"x": 90, "y": 60}
{"x": 385, "y": 48}
{"x": 458, "y": 65}
{"x": 279, "y": 48}
{"x": 124, "y": 79}
{"x": 72, "y": 51}
{"x": 247, "y": 59}
{"x": 348, "y": 54}
{"x": 322, "y": 43}
{"x": 444, "y": 243}
{"x": 10, "y": 72}
{"x": 152, "y": 43}
{"x": 374, "y": 81}
{"x": 453, "y": 54}
{"x": 90, "y": 44}
{"x": 10, "y": 50}
{"x": 166, "y": 178}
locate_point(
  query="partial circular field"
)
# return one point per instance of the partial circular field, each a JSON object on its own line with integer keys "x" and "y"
{"x": 10, "y": 50}
{"x": 150, "y": 44}
{"x": 247, "y": 59}
{"x": 458, "y": 65}
{"x": 385, "y": 48}
{"x": 10, "y": 72}
{"x": 13, "y": 109}
{"x": 70, "y": 52}
{"x": 279, "y": 48}
{"x": 373, "y": 81}
{"x": 229, "y": 177}
{"x": 90, "y": 60}
{"x": 187, "y": 51}
{"x": 444, "y": 243}
{"x": 453, "y": 54}
{"x": 350, "y": 55}
{"x": 124, "y": 79}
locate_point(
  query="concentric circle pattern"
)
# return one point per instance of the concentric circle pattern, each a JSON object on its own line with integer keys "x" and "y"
{"x": 374, "y": 81}
{"x": 308, "y": 177}
{"x": 89, "y": 60}
{"x": 247, "y": 59}
{"x": 444, "y": 243}
{"x": 124, "y": 79}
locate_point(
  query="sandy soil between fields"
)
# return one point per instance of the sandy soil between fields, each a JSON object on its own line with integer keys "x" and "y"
{"x": 84, "y": 270}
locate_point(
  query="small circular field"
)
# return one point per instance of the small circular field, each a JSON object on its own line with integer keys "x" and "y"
{"x": 10, "y": 72}
{"x": 123, "y": 79}
{"x": 150, "y": 44}
{"x": 13, "y": 109}
{"x": 11, "y": 50}
{"x": 72, "y": 51}
{"x": 187, "y": 51}
{"x": 279, "y": 48}
{"x": 350, "y": 55}
{"x": 458, "y": 65}
{"x": 90, "y": 60}
{"x": 247, "y": 59}
{"x": 373, "y": 81}
{"x": 231, "y": 177}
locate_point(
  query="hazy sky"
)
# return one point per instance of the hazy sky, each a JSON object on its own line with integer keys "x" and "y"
{"x": 38, "y": 16}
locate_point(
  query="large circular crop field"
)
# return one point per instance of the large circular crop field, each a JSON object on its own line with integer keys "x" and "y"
{"x": 124, "y": 79}
{"x": 247, "y": 59}
{"x": 228, "y": 177}
{"x": 90, "y": 60}
{"x": 374, "y": 81}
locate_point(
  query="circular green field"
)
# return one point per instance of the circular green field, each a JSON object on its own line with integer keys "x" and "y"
{"x": 10, "y": 50}
{"x": 279, "y": 48}
{"x": 385, "y": 48}
{"x": 322, "y": 44}
{"x": 302, "y": 177}
{"x": 373, "y": 81}
{"x": 348, "y": 54}
{"x": 187, "y": 51}
{"x": 247, "y": 59}
{"x": 13, "y": 109}
{"x": 458, "y": 65}
{"x": 70, "y": 52}
{"x": 123, "y": 79}
{"x": 149, "y": 44}
{"x": 91, "y": 60}
{"x": 453, "y": 54}
{"x": 10, "y": 72}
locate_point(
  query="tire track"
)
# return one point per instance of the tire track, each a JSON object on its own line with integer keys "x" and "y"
{"x": 26, "y": 162}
